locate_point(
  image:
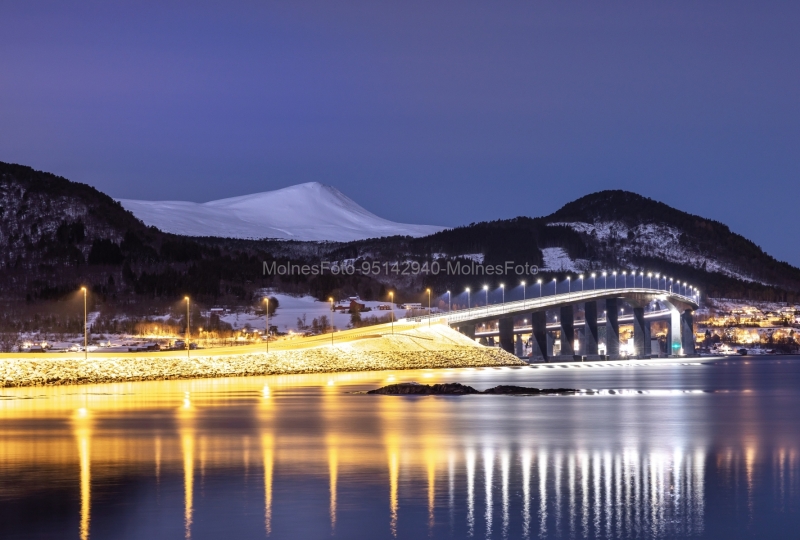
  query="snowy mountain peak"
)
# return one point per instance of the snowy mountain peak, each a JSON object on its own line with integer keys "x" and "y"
{"x": 310, "y": 211}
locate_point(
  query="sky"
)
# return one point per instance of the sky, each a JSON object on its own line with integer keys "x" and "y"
{"x": 428, "y": 112}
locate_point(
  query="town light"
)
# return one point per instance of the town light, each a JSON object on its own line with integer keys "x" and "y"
{"x": 449, "y": 296}
{"x": 523, "y": 291}
{"x": 604, "y": 281}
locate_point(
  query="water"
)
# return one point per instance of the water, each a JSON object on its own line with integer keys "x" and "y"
{"x": 708, "y": 451}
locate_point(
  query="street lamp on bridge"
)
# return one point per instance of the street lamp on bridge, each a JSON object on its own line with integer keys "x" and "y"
{"x": 486, "y": 291}
{"x": 539, "y": 282}
{"x": 580, "y": 278}
{"x": 615, "y": 278}
{"x": 449, "y": 296}
{"x": 468, "y": 300}
{"x": 503, "y": 288}
{"x": 605, "y": 284}
{"x": 523, "y": 291}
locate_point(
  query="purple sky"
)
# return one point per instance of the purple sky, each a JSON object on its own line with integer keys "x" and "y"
{"x": 427, "y": 112}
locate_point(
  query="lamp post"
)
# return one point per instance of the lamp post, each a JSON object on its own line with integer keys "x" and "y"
{"x": 625, "y": 275}
{"x": 330, "y": 299}
{"x": 266, "y": 334}
{"x": 649, "y": 280}
{"x": 188, "y": 302}
{"x": 615, "y": 279}
{"x": 569, "y": 284}
{"x": 449, "y": 296}
{"x": 641, "y": 274}
{"x": 486, "y": 292}
{"x": 469, "y": 304}
{"x": 539, "y": 282}
{"x": 523, "y": 291}
{"x": 580, "y": 278}
{"x": 555, "y": 287}
{"x": 594, "y": 281}
{"x": 85, "y": 328}
{"x": 391, "y": 301}
{"x": 429, "y": 307}
{"x": 605, "y": 283}
{"x": 503, "y": 288}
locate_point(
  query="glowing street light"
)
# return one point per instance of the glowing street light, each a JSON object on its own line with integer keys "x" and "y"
{"x": 594, "y": 281}
{"x": 523, "y": 291}
{"x": 85, "y": 328}
{"x": 429, "y": 307}
{"x": 605, "y": 284}
{"x": 449, "y": 296}
{"x": 330, "y": 299}
{"x": 266, "y": 335}
{"x": 615, "y": 279}
{"x": 503, "y": 287}
{"x": 625, "y": 275}
{"x": 469, "y": 303}
{"x": 569, "y": 284}
{"x": 539, "y": 282}
{"x": 649, "y": 280}
{"x": 391, "y": 301}
{"x": 555, "y": 287}
{"x": 486, "y": 291}
{"x": 580, "y": 278}
{"x": 188, "y": 321}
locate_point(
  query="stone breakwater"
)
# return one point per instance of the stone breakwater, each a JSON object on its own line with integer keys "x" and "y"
{"x": 55, "y": 371}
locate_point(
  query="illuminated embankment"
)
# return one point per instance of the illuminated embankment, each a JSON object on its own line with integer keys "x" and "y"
{"x": 409, "y": 348}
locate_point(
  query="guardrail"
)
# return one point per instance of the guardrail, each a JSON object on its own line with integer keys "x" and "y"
{"x": 537, "y": 304}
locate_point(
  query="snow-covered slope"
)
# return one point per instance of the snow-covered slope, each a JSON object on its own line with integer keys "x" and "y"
{"x": 310, "y": 211}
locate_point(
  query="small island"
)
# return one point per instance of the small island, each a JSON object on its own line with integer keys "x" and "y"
{"x": 458, "y": 389}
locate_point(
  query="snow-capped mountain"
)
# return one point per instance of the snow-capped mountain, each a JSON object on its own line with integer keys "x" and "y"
{"x": 310, "y": 211}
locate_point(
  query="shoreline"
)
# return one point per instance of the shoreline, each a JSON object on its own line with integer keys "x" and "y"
{"x": 24, "y": 372}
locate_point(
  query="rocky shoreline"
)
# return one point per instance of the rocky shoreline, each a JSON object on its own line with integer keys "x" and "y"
{"x": 17, "y": 372}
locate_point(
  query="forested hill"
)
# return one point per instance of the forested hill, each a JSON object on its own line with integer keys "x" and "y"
{"x": 56, "y": 235}
{"x": 620, "y": 225}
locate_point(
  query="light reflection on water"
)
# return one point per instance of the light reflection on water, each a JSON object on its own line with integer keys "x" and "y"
{"x": 300, "y": 456}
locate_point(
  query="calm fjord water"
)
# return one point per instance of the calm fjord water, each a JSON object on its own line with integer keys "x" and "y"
{"x": 706, "y": 450}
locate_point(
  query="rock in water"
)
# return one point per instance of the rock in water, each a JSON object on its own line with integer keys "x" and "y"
{"x": 416, "y": 389}
{"x": 505, "y": 389}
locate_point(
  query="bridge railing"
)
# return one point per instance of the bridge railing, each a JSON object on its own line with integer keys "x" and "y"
{"x": 533, "y": 304}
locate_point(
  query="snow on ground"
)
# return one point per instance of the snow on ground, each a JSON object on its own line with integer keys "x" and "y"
{"x": 290, "y": 308}
{"x": 653, "y": 240}
{"x": 311, "y": 211}
{"x": 557, "y": 260}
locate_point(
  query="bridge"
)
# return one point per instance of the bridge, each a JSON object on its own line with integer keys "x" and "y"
{"x": 675, "y": 307}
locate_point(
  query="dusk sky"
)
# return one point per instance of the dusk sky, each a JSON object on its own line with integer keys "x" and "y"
{"x": 423, "y": 112}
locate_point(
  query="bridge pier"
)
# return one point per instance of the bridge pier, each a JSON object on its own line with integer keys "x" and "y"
{"x": 612, "y": 328}
{"x": 639, "y": 337}
{"x": 519, "y": 347}
{"x": 590, "y": 329}
{"x": 674, "y": 343}
{"x": 506, "y": 328}
{"x": 687, "y": 332}
{"x": 567, "y": 331}
{"x": 541, "y": 338}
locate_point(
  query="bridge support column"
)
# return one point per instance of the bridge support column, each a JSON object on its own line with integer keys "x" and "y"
{"x": 468, "y": 330}
{"x": 590, "y": 329}
{"x": 506, "y": 327}
{"x": 674, "y": 343}
{"x": 612, "y": 328}
{"x": 567, "y": 331}
{"x": 687, "y": 332}
{"x": 519, "y": 347}
{"x": 639, "y": 333}
{"x": 541, "y": 338}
